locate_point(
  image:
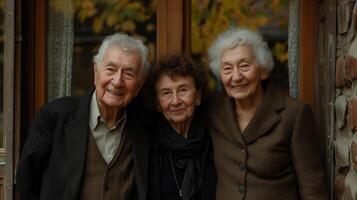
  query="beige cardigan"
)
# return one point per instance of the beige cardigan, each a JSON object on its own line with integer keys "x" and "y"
{"x": 276, "y": 157}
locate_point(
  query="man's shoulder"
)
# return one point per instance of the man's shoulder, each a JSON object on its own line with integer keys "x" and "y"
{"x": 67, "y": 104}
{"x": 63, "y": 103}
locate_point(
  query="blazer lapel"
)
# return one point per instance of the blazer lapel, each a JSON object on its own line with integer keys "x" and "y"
{"x": 76, "y": 133}
{"x": 266, "y": 115}
{"x": 231, "y": 126}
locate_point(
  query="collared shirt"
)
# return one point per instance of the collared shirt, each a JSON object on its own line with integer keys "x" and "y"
{"x": 107, "y": 139}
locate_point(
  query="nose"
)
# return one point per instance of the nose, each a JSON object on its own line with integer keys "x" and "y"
{"x": 237, "y": 75}
{"x": 117, "y": 79}
{"x": 175, "y": 100}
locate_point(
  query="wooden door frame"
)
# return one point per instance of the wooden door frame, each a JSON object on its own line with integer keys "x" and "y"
{"x": 307, "y": 33}
{"x": 307, "y": 74}
{"x": 173, "y": 25}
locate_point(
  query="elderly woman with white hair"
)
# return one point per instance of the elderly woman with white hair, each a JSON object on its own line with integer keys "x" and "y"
{"x": 263, "y": 141}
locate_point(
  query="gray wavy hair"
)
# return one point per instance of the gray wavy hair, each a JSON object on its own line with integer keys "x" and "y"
{"x": 234, "y": 37}
{"x": 127, "y": 44}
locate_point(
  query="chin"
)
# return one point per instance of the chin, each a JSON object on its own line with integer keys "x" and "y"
{"x": 178, "y": 120}
{"x": 238, "y": 96}
{"x": 113, "y": 104}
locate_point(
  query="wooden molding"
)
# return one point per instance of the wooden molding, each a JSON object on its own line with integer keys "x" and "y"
{"x": 307, "y": 42}
{"x": 173, "y": 27}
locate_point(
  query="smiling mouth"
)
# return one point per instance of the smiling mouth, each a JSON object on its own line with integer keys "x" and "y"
{"x": 116, "y": 93}
{"x": 239, "y": 86}
{"x": 177, "y": 110}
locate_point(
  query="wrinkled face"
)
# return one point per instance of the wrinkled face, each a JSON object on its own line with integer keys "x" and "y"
{"x": 117, "y": 80}
{"x": 177, "y": 97}
{"x": 240, "y": 73}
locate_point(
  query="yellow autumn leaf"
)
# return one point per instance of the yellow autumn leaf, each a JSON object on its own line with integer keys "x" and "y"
{"x": 280, "y": 52}
{"x": 128, "y": 25}
{"x": 261, "y": 21}
{"x": 150, "y": 27}
{"x": 97, "y": 25}
{"x": 111, "y": 20}
{"x": 87, "y": 9}
{"x": 135, "y": 5}
{"x": 152, "y": 53}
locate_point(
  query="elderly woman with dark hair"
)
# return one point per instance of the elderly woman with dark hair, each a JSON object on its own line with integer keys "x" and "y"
{"x": 181, "y": 160}
{"x": 263, "y": 140}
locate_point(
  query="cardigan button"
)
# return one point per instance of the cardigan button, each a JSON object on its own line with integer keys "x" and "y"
{"x": 241, "y": 189}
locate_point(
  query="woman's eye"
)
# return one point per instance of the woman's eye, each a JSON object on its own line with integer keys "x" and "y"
{"x": 244, "y": 67}
{"x": 227, "y": 69}
{"x": 164, "y": 94}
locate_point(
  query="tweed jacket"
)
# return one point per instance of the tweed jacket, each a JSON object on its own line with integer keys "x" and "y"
{"x": 53, "y": 158}
{"x": 274, "y": 158}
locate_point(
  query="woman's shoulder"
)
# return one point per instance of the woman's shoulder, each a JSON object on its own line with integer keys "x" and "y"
{"x": 295, "y": 103}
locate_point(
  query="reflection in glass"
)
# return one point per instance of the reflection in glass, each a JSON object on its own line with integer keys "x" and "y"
{"x": 93, "y": 20}
{"x": 210, "y": 17}
{"x": 2, "y": 20}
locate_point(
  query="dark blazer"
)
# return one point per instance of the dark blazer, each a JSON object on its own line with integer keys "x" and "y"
{"x": 53, "y": 157}
{"x": 275, "y": 157}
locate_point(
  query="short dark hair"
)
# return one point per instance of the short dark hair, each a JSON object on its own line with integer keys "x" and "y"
{"x": 179, "y": 66}
{"x": 174, "y": 65}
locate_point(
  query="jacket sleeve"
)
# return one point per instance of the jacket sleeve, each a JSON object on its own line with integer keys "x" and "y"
{"x": 35, "y": 156}
{"x": 306, "y": 159}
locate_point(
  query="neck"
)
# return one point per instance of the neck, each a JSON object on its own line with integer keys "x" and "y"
{"x": 246, "y": 108}
{"x": 182, "y": 127}
{"x": 110, "y": 115}
{"x": 250, "y": 103}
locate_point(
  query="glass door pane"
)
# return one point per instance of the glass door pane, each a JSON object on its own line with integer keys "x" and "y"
{"x": 93, "y": 20}
{"x": 210, "y": 17}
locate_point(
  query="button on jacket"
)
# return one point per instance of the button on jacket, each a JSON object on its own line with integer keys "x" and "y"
{"x": 276, "y": 157}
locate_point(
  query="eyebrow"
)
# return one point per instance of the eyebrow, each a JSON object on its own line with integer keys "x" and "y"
{"x": 238, "y": 61}
{"x": 127, "y": 67}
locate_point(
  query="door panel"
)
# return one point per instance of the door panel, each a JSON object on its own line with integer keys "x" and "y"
{"x": 324, "y": 83}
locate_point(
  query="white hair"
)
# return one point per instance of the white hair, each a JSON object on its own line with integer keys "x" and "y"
{"x": 127, "y": 44}
{"x": 234, "y": 37}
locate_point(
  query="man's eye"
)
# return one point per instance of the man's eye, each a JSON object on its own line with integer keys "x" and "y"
{"x": 129, "y": 74}
{"x": 183, "y": 89}
{"x": 111, "y": 69}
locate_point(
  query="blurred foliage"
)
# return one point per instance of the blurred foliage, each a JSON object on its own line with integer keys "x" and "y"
{"x": 133, "y": 17}
{"x": 210, "y": 17}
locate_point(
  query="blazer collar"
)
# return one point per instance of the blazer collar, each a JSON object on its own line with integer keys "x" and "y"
{"x": 265, "y": 117}
{"x": 76, "y": 137}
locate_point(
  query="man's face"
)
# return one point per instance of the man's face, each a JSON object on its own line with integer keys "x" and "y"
{"x": 117, "y": 80}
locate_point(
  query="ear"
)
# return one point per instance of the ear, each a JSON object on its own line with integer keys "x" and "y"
{"x": 264, "y": 74}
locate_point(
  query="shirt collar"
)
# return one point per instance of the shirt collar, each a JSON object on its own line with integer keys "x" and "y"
{"x": 94, "y": 115}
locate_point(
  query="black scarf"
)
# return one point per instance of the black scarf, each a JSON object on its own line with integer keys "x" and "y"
{"x": 189, "y": 152}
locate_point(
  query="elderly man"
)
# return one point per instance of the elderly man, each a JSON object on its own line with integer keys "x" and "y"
{"x": 92, "y": 147}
